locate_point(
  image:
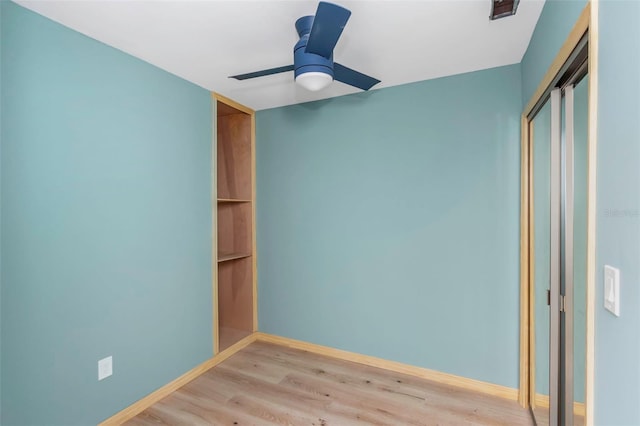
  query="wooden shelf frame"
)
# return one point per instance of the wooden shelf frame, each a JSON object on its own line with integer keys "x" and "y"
{"x": 234, "y": 255}
{"x": 233, "y": 200}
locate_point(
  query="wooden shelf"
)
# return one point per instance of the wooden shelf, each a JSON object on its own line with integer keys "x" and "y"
{"x": 235, "y": 280}
{"x": 224, "y": 257}
{"x": 232, "y": 200}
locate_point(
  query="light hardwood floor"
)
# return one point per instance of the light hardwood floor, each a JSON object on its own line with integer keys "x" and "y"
{"x": 266, "y": 384}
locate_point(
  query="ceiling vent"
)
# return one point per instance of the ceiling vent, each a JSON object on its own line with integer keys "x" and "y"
{"x": 503, "y": 8}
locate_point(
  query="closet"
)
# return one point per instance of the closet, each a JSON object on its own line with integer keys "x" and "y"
{"x": 235, "y": 274}
{"x": 558, "y": 146}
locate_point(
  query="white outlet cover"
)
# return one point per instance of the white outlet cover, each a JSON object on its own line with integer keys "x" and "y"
{"x": 612, "y": 290}
{"x": 105, "y": 367}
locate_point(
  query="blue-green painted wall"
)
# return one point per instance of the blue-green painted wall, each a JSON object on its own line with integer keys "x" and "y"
{"x": 106, "y": 224}
{"x": 388, "y": 223}
{"x": 1, "y": 213}
{"x": 556, "y": 22}
{"x": 617, "y": 387}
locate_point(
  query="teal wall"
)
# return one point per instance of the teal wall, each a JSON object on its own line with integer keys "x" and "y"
{"x": 388, "y": 223}
{"x": 1, "y": 8}
{"x": 556, "y": 22}
{"x": 106, "y": 224}
{"x": 618, "y": 215}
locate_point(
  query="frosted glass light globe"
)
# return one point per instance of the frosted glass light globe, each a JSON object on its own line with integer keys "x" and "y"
{"x": 314, "y": 81}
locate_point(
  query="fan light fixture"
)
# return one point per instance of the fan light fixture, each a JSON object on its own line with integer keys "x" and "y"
{"x": 314, "y": 80}
{"x": 313, "y": 65}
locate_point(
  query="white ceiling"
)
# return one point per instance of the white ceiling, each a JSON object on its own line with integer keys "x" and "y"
{"x": 204, "y": 42}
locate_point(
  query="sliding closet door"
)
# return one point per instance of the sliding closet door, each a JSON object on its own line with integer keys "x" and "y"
{"x": 575, "y": 280}
{"x": 557, "y": 264}
{"x": 573, "y": 252}
{"x": 541, "y": 261}
{"x": 567, "y": 259}
{"x": 546, "y": 258}
{"x": 559, "y": 201}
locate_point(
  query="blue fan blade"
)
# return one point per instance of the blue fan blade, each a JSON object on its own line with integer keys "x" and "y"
{"x": 327, "y": 26}
{"x": 353, "y": 77}
{"x": 262, "y": 73}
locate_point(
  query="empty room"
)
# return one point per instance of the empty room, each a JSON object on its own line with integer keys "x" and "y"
{"x": 302, "y": 212}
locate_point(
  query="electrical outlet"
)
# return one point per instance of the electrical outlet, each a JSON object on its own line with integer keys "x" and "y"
{"x": 105, "y": 367}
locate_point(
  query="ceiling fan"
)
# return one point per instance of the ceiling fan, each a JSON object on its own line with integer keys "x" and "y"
{"x": 313, "y": 64}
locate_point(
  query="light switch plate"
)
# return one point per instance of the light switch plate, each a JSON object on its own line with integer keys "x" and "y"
{"x": 612, "y": 290}
{"x": 105, "y": 367}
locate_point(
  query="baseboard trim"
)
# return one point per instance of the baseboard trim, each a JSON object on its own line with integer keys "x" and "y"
{"x": 579, "y": 408}
{"x": 423, "y": 373}
{"x": 155, "y": 396}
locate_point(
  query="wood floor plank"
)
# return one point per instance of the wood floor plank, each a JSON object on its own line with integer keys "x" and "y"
{"x": 214, "y": 411}
{"x": 267, "y": 384}
{"x": 273, "y": 393}
{"x": 365, "y": 379}
{"x": 268, "y": 413}
{"x": 320, "y": 365}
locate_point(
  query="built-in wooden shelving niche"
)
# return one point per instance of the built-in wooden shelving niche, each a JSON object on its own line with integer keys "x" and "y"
{"x": 235, "y": 274}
